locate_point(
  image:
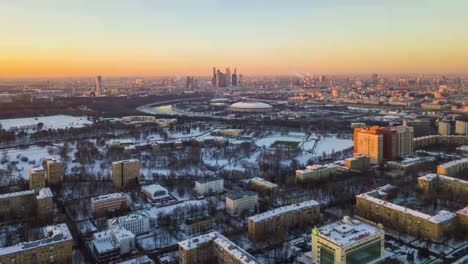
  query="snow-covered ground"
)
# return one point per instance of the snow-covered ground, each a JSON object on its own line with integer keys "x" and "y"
{"x": 50, "y": 122}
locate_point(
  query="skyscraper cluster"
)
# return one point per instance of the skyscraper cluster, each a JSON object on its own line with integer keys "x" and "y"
{"x": 225, "y": 79}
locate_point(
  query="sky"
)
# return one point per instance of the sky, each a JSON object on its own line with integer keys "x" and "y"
{"x": 60, "y": 38}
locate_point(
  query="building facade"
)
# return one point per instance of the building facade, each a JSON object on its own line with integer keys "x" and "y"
{"x": 453, "y": 168}
{"x": 238, "y": 202}
{"x": 125, "y": 172}
{"x": 461, "y": 127}
{"x": 25, "y": 204}
{"x": 358, "y": 162}
{"x": 212, "y": 248}
{"x": 213, "y": 185}
{"x": 263, "y": 184}
{"x": 137, "y": 223}
{"x": 369, "y": 206}
{"x": 54, "y": 171}
{"x": 108, "y": 203}
{"x": 444, "y": 184}
{"x": 279, "y": 220}
{"x": 316, "y": 172}
{"x": 197, "y": 225}
{"x": 349, "y": 241}
{"x": 37, "y": 177}
{"x": 55, "y": 247}
{"x": 444, "y": 128}
{"x": 369, "y": 142}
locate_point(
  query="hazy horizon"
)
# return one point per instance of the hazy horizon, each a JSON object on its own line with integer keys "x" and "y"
{"x": 55, "y": 39}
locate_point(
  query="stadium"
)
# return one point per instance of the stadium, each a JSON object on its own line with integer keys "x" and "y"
{"x": 250, "y": 107}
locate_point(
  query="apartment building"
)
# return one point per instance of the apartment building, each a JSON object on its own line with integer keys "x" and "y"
{"x": 461, "y": 127}
{"x": 358, "y": 162}
{"x": 371, "y": 207}
{"x": 348, "y": 241}
{"x": 316, "y": 172}
{"x": 445, "y": 184}
{"x": 368, "y": 141}
{"x": 125, "y": 172}
{"x": 54, "y": 170}
{"x": 209, "y": 185}
{"x": 197, "y": 225}
{"x": 238, "y": 202}
{"x": 54, "y": 247}
{"x": 453, "y": 168}
{"x": 279, "y": 220}
{"x": 444, "y": 128}
{"x": 263, "y": 184}
{"x": 25, "y": 204}
{"x": 37, "y": 177}
{"x": 425, "y": 141}
{"x": 213, "y": 248}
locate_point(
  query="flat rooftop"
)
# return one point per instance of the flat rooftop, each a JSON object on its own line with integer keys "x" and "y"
{"x": 214, "y": 237}
{"x": 282, "y": 210}
{"x": 347, "y": 231}
{"x": 240, "y": 195}
{"x": 107, "y": 197}
{"x": 53, "y": 234}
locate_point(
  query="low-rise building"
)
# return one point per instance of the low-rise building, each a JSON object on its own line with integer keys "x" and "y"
{"x": 238, "y": 202}
{"x": 137, "y": 223}
{"x": 316, "y": 172}
{"x": 212, "y": 248}
{"x": 277, "y": 221}
{"x": 453, "y": 168}
{"x": 197, "y": 225}
{"x": 108, "y": 203}
{"x": 209, "y": 185}
{"x": 358, "y": 162}
{"x": 37, "y": 177}
{"x": 348, "y": 241}
{"x": 156, "y": 193}
{"x": 54, "y": 247}
{"x": 111, "y": 244}
{"x": 411, "y": 163}
{"x": 264, "y": 184}
{"x": 144, "y": 259}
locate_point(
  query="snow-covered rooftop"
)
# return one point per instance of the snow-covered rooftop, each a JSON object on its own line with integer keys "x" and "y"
{"x": 434, "y": 177}
{"x": 107, "y": 197}
{"x": 37, "y": 168}
{"x": 283, "y": 210}
{"x": 53, "y": 234}
{"x": 251, "y": 105}
{"x": 442, "y": 216}
{"x": 453, "y": 163}
{"x": 9, "y": 195}
{"x": 214, "y": 237}
{"x": 312, "y": 168}
{"x": 240, "y": 195}
{"x": 262, "y": 181}
{"x": 347, "y": 231}
{"x": 125, "y": 161}
{"x": 127, "y": 218}
{"x": 154, "y": 190}
{"x": 45, "y": 193}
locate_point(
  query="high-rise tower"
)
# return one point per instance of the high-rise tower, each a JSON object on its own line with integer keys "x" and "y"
{"x": 97, "y": 91}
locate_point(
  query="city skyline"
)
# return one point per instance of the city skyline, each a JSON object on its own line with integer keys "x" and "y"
{"x": 160, "y": 38}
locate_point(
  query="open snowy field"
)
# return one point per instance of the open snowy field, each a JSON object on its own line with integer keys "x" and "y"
{"x": 50, "y": 122}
